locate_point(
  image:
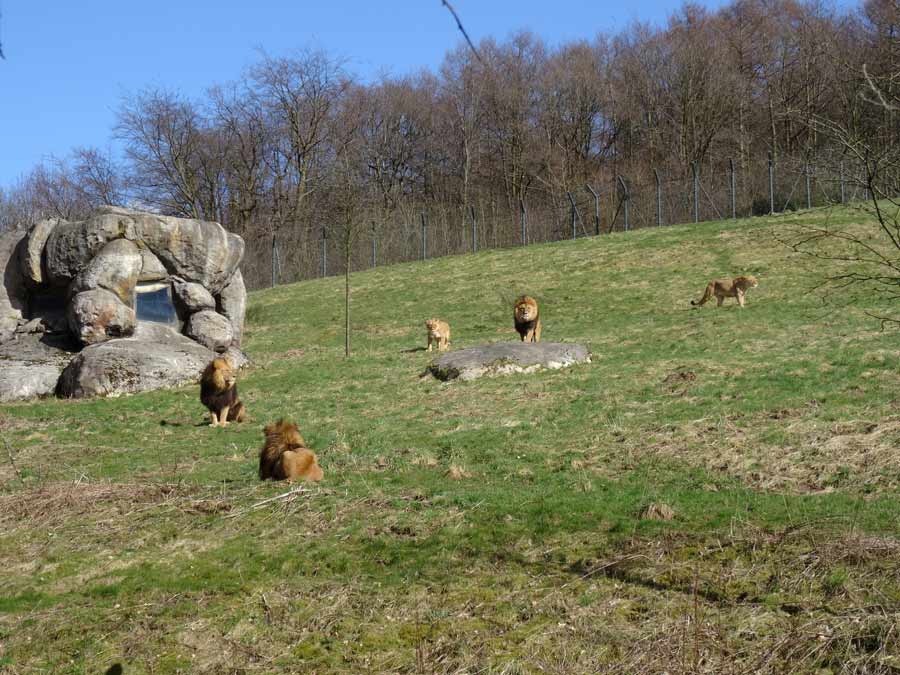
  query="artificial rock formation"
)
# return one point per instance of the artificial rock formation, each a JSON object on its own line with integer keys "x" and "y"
{"x": 503, "y": 358}
{"x": 84, "y": 279}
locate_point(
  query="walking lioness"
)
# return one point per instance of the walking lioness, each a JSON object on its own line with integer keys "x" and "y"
{"x": 727, "y": 288}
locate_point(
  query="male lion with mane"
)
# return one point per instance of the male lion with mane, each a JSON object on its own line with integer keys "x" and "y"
{"x": 727, "y": 288}
{"x": 218, "y": 392}
{"x": 527, "y": 319}
{"x": 284, "y": 456}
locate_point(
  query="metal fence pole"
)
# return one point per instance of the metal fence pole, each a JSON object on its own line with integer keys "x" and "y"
{"x": 424, "y": 237}
{"x": 274, "y": 260}
{"x": 596, "y": 209}
{"x": 474, "y": 229}
{"x": 841, "y": 178}
{"x": 374, "y": 246}
{"x": 626, "y": 197}
{"x": 696, "y": 174}
{"x": 733, "y": 191}
{"x": 324, "y": 252}
{"x": 523, "y": 219}
{"x": 771, "y": 185}
{"x": 658, "y": 198}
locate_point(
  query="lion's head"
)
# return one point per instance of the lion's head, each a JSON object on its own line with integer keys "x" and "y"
{"x": 747, "y": 281}
{"x": 434, "y": 327}
{"x": 526, "y": 309}
{"x": 221, "y": 373}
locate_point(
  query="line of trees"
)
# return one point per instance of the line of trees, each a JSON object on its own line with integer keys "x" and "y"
{"x": 297, "y": 149}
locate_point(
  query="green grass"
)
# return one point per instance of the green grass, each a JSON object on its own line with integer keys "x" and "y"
{"x": 495, "y": 525}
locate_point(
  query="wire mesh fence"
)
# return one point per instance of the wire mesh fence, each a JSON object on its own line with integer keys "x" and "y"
{"x": 622, "y": 202}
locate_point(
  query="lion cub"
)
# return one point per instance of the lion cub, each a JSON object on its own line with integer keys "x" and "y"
{"x": 527, "y": 319}
{"x": 727, "y": 288}
{"x": 438, "y": 331}
{"x": 218, "y": 392}
{"x": 285, "y": 455}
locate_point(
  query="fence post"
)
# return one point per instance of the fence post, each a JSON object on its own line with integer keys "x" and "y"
{"x": 866, "y": 176}
{"x": 808, "y": 188}
{"x": 574, "y": 215}
{"x": 841, "y": 178}
{"x": 274, "y": 260}
{"x": 424, "y": 237}
{"x": 626, "y": 197}
{"x": 523, "y": 219}
{"x": 771, "y": 185}
{"x": 733, "y": 191}
{"x": 658, "y": 198}
{"x": 324, "y": 252}
{"x": 374, "y": 246}
{"x": 596, "y": 209}
{"x": 474, "y": 229}
{"x": 696, "y": 174}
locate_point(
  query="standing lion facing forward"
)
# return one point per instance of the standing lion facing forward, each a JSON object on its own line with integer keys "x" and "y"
{"x": 218, "y": 392}
{"x": 438, "y": 331}
{"x": 727, "y": 288}
{"x": 527, "y": 319}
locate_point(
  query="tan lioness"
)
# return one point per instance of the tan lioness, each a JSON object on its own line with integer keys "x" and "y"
{"x": 727, "y": 288}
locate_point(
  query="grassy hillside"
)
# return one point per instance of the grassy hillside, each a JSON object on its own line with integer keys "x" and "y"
{"x": 496, "y": 526}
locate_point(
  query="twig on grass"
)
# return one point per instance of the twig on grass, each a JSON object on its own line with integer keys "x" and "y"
{"x": 288, "y": 496}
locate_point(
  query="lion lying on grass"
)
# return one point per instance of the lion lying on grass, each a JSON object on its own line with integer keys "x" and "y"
{"x": 284, "y": 456}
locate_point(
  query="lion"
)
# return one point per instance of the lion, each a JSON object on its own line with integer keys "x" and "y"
{"x": 284, "y": 456}
{"x": 438, "y": 331}
{"x": 219, "y": 394}
{"x": 727, "y": 288}
{"x": 527, "y": 319}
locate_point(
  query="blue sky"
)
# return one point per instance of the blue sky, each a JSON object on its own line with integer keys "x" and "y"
{"x": 69, "y": 63}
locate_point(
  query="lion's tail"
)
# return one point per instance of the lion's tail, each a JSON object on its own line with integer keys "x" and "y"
{"x": 706, "y": 296}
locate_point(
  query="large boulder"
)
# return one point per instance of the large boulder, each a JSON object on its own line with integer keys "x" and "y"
{"x": 232, "y": 303}
{"x": 115, "y": 268}
{"x": 502, "y": 358}
{"x": 210, "y": 329}
{"x": 154, "y": 358}
{"x": 152, "y": 268}
{"x": 191, "y": 297}
{"x": 32, "y": 255}
{"x": 195, "y": 250}
{"x": 30, "y": 365}
{"x": 98, "y": 315}
{"x": 13, "y": 293}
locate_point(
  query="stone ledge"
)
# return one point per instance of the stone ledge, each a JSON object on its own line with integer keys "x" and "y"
{"x": 503, "y": 358}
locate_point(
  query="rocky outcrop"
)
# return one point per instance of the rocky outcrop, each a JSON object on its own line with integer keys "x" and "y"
{"x": 503, "y": 358}
{"x": 154, "y": 358}
{"x": 31, "y": 362}
{"x": 232, "y": 303}
{"x": 98, "y": 315}
{"x": 210, "y": 329}
{"x": 13, "y": 293}
{"x": 81, "y": 277}
{"x": 191, "y": 297}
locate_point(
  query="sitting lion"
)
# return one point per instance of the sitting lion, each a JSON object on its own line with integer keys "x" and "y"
{"x": 527, "y": 319}
{"x": 728, "y": 288}
{"x": 285, "y": 455}
{"x": 438, "y": 331}
{"x": 219, "y": 394}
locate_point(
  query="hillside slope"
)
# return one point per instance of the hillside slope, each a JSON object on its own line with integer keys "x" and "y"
{"x": 496, "y": 525}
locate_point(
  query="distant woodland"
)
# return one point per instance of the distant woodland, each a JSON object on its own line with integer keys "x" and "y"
{"x": 297, "y": 149}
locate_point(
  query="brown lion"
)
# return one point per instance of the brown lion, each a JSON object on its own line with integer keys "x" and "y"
{"x": 218, "y": 392}
{"x": 285, "y": 455}
{"x": 727, "y": 288}
{"x": 438, "y": 331}
{"x": 527, "y": 319}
